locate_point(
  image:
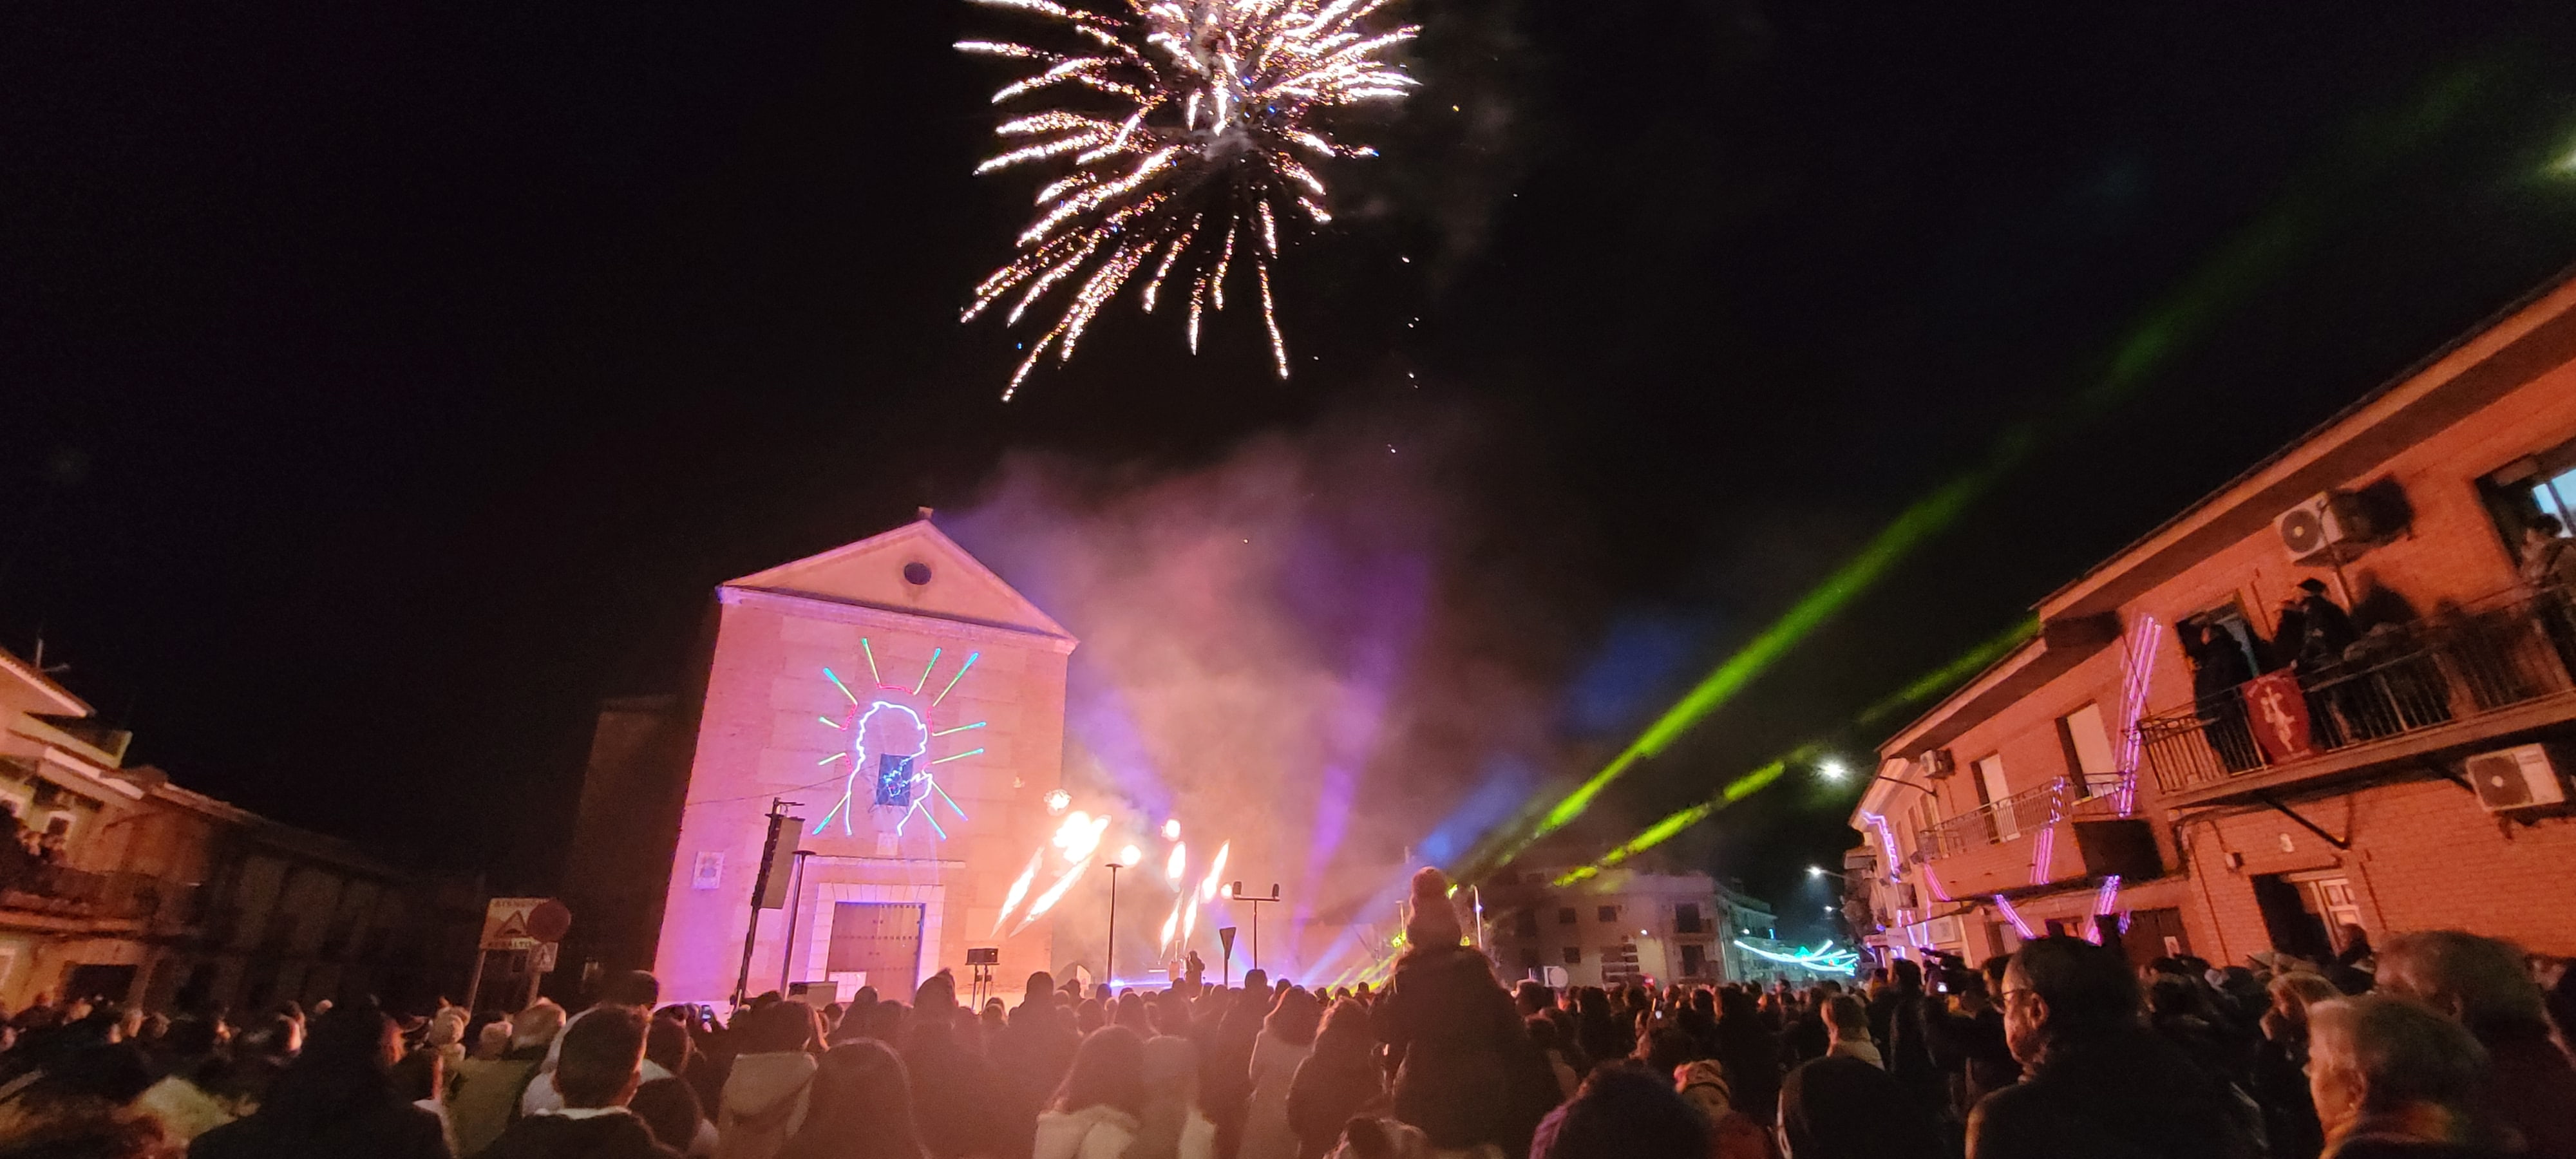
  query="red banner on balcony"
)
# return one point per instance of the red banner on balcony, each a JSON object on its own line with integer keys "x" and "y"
{"x": 2278, "y": 712}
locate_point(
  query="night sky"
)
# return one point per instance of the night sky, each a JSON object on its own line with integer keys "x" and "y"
{"x": 383, "y": 384}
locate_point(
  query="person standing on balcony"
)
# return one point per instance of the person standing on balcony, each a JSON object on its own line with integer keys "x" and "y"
{"x": 2548, "y": 572}
{"x": 2315, "y": 630}
{"x": 2218, "y": 668}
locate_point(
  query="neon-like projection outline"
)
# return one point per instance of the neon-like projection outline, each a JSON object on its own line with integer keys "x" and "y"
{"x": 923, "y": 784}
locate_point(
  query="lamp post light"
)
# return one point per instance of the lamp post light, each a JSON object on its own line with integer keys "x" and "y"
{"x": 1821, "y": 871}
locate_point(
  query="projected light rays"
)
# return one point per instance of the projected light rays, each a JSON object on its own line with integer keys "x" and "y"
{"x": 888, "y": 741}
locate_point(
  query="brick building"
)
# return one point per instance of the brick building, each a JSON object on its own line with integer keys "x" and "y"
{"x": 2170, "y": 766}
{"x": 139, "y": 890}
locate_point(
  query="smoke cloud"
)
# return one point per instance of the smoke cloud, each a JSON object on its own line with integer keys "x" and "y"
{"x": 1287, "y": 649}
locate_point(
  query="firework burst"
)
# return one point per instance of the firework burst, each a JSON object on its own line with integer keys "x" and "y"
{"x": 1182, "y": 132}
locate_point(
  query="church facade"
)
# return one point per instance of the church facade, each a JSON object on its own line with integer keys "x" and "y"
{"x": 908, "y": 705}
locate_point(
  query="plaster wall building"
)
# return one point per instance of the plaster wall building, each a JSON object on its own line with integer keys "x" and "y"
{"x": 2107, "y": 780}
{"x": 1622, "y": 926}
{"x": 900, "y": 672}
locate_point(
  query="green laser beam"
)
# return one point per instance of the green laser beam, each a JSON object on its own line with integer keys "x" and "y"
{"x": 1934, "y": 683}
{"x": 2250, "y": 258}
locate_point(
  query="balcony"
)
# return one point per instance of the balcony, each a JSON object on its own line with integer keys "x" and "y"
{"x": 2066, "y": 830}
{"x": 61, "y": 892}
{"x": 2471, "y": 675}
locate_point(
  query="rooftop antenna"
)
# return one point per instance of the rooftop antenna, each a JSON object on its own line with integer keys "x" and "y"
{"x": 40, "y": 655}
{"x": 925, "y": 513}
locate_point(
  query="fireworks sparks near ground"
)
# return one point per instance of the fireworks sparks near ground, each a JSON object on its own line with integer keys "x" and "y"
{"x": 1185, "y": 129}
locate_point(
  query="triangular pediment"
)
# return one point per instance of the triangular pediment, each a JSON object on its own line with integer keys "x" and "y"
{"x": 914, "y": 569}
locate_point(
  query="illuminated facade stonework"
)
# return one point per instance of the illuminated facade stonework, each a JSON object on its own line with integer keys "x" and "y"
{"x": 816, "y": 663}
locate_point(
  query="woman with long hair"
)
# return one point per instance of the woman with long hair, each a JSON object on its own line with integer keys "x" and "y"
{"x": 1334, "y": 1082}
{"x": 861, "y": 1107}
{"x": 1172, "y": 1125}
{"x": 1100, "y": 1108}
{"x": 1287, "y": 1038}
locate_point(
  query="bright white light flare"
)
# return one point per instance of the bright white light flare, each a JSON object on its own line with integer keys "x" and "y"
{"x": 1177, "y": 865}
{"x": 1216, "y": 871}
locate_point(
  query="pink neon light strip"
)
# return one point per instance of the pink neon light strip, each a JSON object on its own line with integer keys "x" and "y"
{"x": 2014, "y": 916}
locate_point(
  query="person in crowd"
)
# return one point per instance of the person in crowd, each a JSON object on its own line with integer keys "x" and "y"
{"x": 1623, "y": 1111}
{"x": 2098, "y": 1082}
{"x": 633, "y": 990}
{"x": 1732, "y": 1134}
{"x": 1597, "y": 1032}
{"x": 670, "y": 1109}
{"x": 335, "y": 1100}
{"x": 952, "y": 1083}
{"x": 2481, "y": 984}
{"x": 1905, "y": 1042}
{"x": 1099, "y": 1110}
{"x": 1466, "y": 1073}
{"x": 2393, "y": 1079}
{"x": 184, "y": 1100}
{"x": 1337, "y": 1080}
{"x": 421, "y": 1076}
{"x": 1287, "y": 1040}
{"x": 2279, "y": 1077}
{"x": 1225, "y": 1086}
{"x": 770, "y": 1087}
{"x": 1809, "y": 1034}
{"x": 1847, "y": 1028}
{"x": 1542, "y": 1032}
{"x": 1843, "y": 1108}
{"x": 490, "y": 1042}
{"x": 598, "y": 1064}
{"x": 2548, "y": 555}
{"x": 1967, "y": 1042}
{"x": 485, "y": 1096}
{"x": 2315, "y": 630}
{"x": 445, "y": 1034}
{"x": 1750, "y": 1054}
{"x": 862, "y": 1108}
{"x": 1172, "y": 1126}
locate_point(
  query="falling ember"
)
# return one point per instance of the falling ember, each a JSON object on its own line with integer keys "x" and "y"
{"x": 1057, "y": 800}
{"x": 1172, "y": 122}
{"x": 1216, "y": 870}
{"x": 1179, "y": 864}
{"x": 1189, "y": 921}
{"x": 1172, "y": 924}
{"x": 1019, "y": 889}
{"x": 1172, "y": 829}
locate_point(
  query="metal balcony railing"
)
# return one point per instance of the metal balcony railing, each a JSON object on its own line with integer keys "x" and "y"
{"x": 2461, "y": 664}
{"x": 2024, "y": 812}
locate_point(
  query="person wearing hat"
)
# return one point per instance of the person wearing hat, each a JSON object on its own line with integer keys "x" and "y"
{"x": 1467, "y": 1073}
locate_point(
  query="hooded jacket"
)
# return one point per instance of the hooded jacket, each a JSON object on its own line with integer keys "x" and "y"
{"x": 764, "y": 1102}
{"x": 1098, "y": 1132}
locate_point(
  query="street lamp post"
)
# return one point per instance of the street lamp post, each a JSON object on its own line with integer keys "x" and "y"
{"x": 1109, "y": 967}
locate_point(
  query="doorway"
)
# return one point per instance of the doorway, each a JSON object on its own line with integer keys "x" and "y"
{"x": 881, "y": 940}
{"x": 110, "y": 983}
{"x": 2291, "y": 917}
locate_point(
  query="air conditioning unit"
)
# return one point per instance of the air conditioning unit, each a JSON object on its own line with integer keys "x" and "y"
{"x": 1936, "y": 764}
{"x": 2332, "y": 524}
{"x": 2522, "y": 777}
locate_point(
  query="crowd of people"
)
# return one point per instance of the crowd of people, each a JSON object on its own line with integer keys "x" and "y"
{"x": 2440, "y": 1045}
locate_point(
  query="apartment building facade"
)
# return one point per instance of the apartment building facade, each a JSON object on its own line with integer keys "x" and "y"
{"x": 116, "y": 883}
{"x": 2324, "y": 699}
{"x": 1624, "y": 926}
